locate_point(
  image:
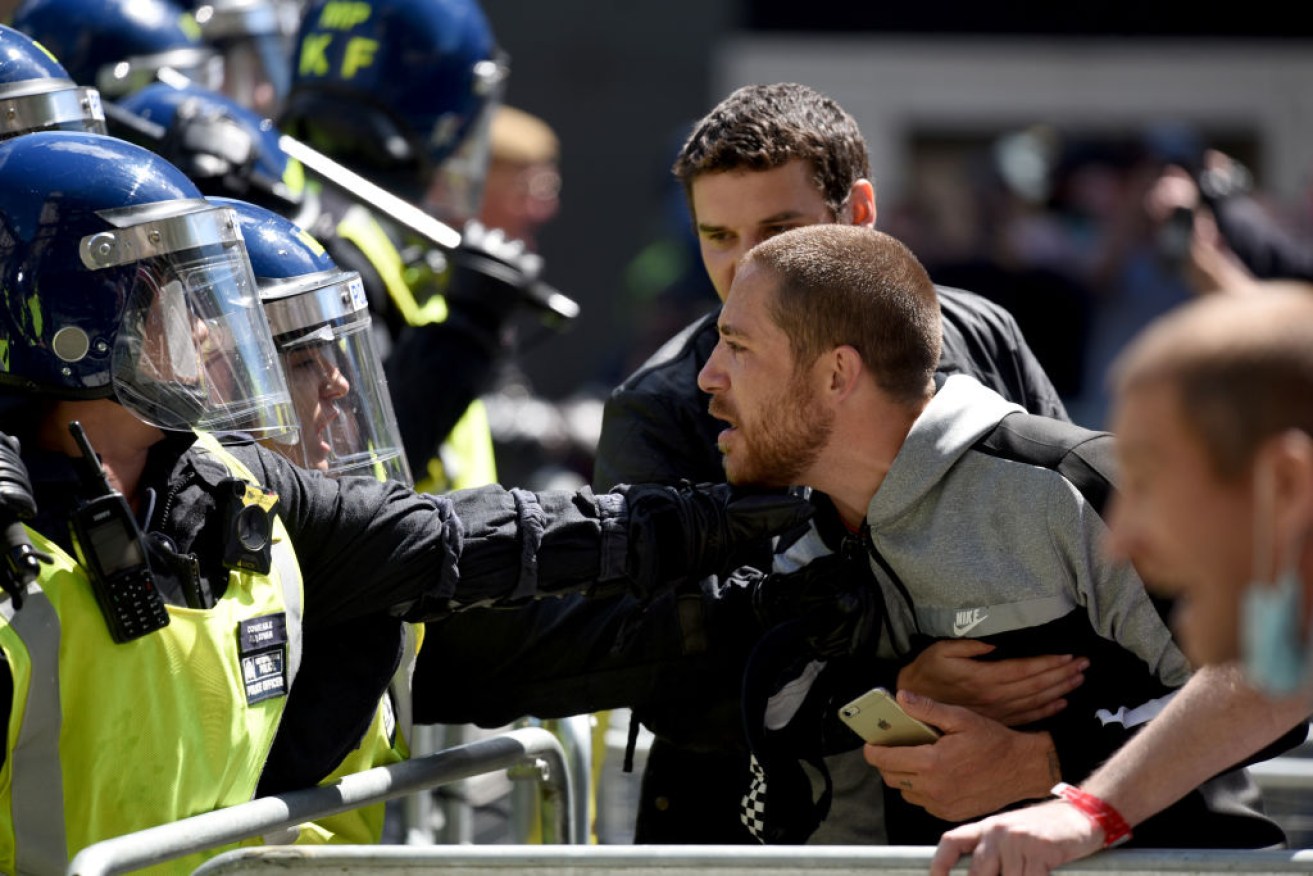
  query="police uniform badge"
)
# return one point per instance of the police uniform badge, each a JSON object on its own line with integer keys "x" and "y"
{"x": 262, "y": 644}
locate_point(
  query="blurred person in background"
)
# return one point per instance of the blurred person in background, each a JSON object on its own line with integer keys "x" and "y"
{"x": 1213, "y": 226}
{"x": 523, "y": 189}
{"x": 990, "y": 230}
{"x": 1099, "y": 185}
{"x": 537, "y": 441}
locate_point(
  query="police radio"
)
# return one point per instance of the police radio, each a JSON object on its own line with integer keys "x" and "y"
{"x": 110, "y": 548}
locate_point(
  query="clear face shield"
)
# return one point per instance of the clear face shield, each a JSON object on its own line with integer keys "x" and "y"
{"x": 321, "y": 327}
{"x": 256, "y": 39}
{"x": 202, "y": 65}
{"x": 49, "y": 105}
{"x": 455, "y": 193}
{"x": 193, "y": 349}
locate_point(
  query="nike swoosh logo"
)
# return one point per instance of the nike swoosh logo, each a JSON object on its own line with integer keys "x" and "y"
{"x": 963, "y": 629}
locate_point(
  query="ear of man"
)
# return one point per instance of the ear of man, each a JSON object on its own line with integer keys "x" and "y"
{"x": 845, "y": 365}
{"x": 1290, "y": 454}
{"x": 859, "y": 209}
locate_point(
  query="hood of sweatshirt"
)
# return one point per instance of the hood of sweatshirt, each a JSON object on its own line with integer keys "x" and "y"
{"x": 960, "y": 413}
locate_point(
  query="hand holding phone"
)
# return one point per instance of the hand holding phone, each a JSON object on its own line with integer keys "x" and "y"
{"x": 878, "y": 719}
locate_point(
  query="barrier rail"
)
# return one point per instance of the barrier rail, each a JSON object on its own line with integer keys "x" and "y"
{"x": 709, "y": 861}
{"x": 1284, "y": 773}
{"x": 576, "y": 735}
{"x": 271, "y": 814}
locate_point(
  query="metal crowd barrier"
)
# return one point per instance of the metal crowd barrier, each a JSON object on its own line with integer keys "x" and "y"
{"x": 576, "y": 735}
{"x": 708, "y": 861}
{"x": 456, "y": 812}
{"x": 1284, "y": 773}
{"x": 516, "y": 748}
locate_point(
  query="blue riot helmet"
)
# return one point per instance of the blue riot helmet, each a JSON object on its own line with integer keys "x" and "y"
{"x": 226, "y": 149}
{"x": 119, "y": 281}
{"x": 255, "y": 38}
{"x": 118, "y": 46}
{"x": 397, "y": 90}
{"x": 320, "y": 321}
{"x": 37, "y": 94}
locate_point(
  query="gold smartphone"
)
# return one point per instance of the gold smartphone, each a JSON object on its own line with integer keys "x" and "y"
{"x": 877, "y": 718}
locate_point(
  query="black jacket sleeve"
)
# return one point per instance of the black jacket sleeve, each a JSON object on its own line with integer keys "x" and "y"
{"x": 1264, "y": 247}
{"x": 366, "y": 547}
{"x": 681, "y": 655}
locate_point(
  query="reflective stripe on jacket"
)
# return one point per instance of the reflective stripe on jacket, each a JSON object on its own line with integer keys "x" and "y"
{"x": 106, "y": 739}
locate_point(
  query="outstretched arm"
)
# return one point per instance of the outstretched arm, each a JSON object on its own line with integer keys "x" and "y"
{"x": 1179, "y": 750}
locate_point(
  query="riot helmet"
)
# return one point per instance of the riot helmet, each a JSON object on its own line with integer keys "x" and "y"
{"x": 37, "y": 93}
{"x": 118, "y": 46}
{"x": 402, "y": 92}
{"x": 255, "y": 38}
{"x": 119, "y": 280}
{"x": 319, "y": 317}
{"x": 226, "y": 149}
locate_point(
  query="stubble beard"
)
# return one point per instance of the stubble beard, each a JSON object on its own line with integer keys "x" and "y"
{"x": 782, "y": 444}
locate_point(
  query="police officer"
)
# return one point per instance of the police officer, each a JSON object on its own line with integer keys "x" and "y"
{"x": 185, "y": 578}
{"x": 118, "y": 46}
{"x": 123, "y": 47}
{"x": 226, "y": 149}
{"x": 402, "y": 92}
{"x": 38, "y": 94}
{"x": 320, "y": 324}
{"x": 255, "y": 39}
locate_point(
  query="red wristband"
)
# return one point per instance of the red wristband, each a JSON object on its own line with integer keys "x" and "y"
{"x": 1115, "y": 829}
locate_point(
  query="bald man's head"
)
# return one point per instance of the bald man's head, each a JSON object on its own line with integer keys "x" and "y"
{"x": 1241, "y": 367}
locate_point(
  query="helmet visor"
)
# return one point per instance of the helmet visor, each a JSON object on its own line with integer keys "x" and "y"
{"x": 65, "y": 108}
{"x": 201, "y": 64}
{"x": 455, "y": 193}
{"x": 337, "y": 383}
{"x": 255, "y": 71}
{"x": 193, "y": 349}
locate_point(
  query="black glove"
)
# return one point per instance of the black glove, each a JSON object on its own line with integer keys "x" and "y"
{"x": 676, "y": 533}
{"x": 836, "y": 599}
{"x": 17, "y": 503}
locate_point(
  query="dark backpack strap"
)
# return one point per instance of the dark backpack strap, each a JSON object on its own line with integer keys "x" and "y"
{"x": 1083, "y": 456}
